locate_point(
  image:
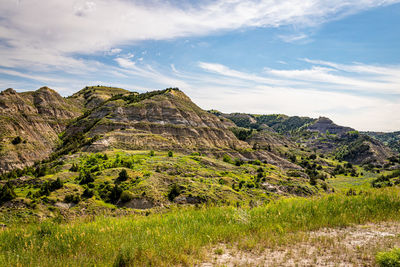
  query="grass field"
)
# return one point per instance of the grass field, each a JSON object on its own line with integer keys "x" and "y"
{"x": 183, "y": 236}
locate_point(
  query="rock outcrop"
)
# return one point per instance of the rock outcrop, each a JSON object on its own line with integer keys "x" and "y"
{"x": 326, "y": 125}
{"x": 162, "y": 121}
{"x": 30, "y": 124}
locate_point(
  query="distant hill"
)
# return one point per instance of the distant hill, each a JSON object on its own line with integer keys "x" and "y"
{"x": 391, "y": 140}
{"x": 321, "y": 135}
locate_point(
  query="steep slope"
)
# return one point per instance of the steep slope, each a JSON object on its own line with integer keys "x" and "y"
{"x": 391, "y": 140}
{"x": 30, "y": 124}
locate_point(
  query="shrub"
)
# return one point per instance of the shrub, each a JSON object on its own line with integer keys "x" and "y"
{"x": 239, "y": 162}
{"x": 226, "y": 158}
{"x": 123, "y": 176}
{"x": 16, "y": 140}
{"x": 174, "y": 191}
{"x": 74, "y": 168}
{"x": 41, "y": 170}
{"x": 127, "y": 196}
{"x": 115, "y": 194}
{"x": 389, "y": 258}
{"x": 170, "y": 154}
{"x": 71, "y": 198}
{"x": 57, "y": 184}
{"x": 7, "y": 193}
{"x": 123, "y": 259}
{"x": 86, "y": 177}
{"x": 151, "y": 154}
{"x": 44, "y": 189}
{"x": 88, "y": 193}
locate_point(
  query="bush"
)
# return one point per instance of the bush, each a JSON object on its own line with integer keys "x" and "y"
{"x": 57, "y": 184}
{"x": 239, "y": 162}
{"x": 115, "y": 194}
{"x": 170, "y": 154}
{"x": 123, "y": 259}
{"x": 174, "y": 191}
{"x": 86, "y": 177}
{"x": 88, "y": 193}
{"x": 16, "y": 140}
{"x": 313, "y": 156}
{"x": 127, "y": 196}
{"x": 71, "y": 198}
{"x": 123, "y": 176}
{"x": 226, "y": 158}
{"x": 7, "y": 193}
{"x": 44, "y": 189}
{"x": 41, "y": 170}
{"x": 389, "y": 258}
{"x": 74, "y": 168}
{"x": 151, "y": 154}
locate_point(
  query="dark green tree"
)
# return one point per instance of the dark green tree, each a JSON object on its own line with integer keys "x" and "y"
{"x": 7, "y": 193}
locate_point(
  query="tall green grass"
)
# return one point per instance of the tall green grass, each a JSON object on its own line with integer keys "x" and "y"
{"x": 182, "y": 236}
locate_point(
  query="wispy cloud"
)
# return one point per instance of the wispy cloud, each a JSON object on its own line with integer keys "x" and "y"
{"x": 292, "y": 38}
{"x": 36, "y": 33}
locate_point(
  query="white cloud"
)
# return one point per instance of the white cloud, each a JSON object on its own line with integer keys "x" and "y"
{"x": 37, "y": 32}
{"x": 114, "y": 51}
{"x": 346, "y": 93}
{"x": 292, "y": 38}
{"x": 125, "y": 62}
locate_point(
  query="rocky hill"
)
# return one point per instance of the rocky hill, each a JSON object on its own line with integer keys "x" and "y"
{"x": 30, "y": 124}
{"x": 321, "y": 135}
{"x": 326, "y": 125}
{"x": 161, "y": 120}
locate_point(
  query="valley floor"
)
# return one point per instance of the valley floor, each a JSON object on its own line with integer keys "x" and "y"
{"x": 349, "y": 246}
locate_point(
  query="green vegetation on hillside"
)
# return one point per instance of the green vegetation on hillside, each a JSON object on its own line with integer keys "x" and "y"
{"x": 127, "y": 179}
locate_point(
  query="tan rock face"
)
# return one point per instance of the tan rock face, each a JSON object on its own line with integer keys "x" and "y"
{"x": 166, "y": 121}
{"x": 37, "y": 118}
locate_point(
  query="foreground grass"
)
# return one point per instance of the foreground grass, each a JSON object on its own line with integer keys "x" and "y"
{"x": 181, "y": 236}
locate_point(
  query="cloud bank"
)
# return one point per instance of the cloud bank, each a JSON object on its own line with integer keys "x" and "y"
{"x": 40, "y": 33}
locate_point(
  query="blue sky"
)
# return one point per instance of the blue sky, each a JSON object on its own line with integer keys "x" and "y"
{"x": 338, "y": 59}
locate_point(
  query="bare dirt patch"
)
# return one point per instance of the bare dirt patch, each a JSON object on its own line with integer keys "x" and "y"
{"x": 350, "y": 246}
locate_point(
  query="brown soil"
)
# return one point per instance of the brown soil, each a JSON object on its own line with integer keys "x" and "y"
{"x": 350, "y": 246}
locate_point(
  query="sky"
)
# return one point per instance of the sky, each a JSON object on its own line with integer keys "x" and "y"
{"x": 339, "y": 58}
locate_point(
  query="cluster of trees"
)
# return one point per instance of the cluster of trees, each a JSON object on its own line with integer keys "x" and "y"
{"x": 386, "y": 180}
{"x": 345, "y": 169}
{"x": 241, "y": 133}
